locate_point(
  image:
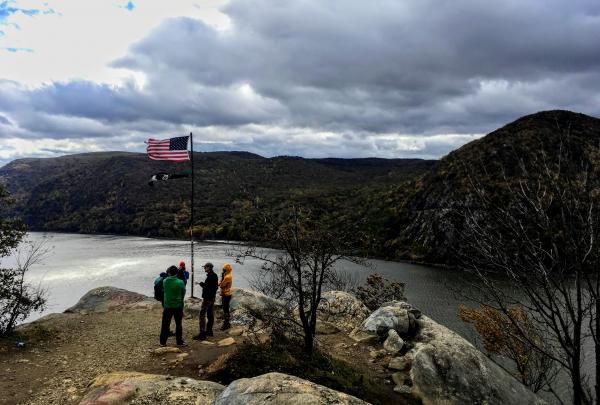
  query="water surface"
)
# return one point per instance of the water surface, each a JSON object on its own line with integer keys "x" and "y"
{"x": 78, "y": 263}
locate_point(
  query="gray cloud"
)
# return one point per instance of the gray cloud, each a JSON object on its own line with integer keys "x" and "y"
{"x": 364, "y": 73}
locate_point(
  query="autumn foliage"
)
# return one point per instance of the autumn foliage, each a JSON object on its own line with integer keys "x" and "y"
{"x": 513, "y": 337}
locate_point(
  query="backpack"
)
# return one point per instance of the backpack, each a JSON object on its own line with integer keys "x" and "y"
{"x": 159, "y": 291}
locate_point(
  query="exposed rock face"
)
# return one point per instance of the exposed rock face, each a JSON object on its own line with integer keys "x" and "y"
{"x": 280, "y": 389}
{"x": 123, "y": 388}
{"x": 342, "y": 309}
{"x": 103, "y": 299}
{"x": 446, "y": 369}
{"x": 246, "y": 303}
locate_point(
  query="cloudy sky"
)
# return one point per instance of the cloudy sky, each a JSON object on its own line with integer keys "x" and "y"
{"x": 314, "y": 78}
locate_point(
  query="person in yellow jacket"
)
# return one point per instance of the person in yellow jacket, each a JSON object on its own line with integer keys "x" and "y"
{"x": 225, "y": 285}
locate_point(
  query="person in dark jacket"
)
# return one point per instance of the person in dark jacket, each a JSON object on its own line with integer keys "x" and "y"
{"x": 209, "y": 291}
{"x": 183, "y": 274}
{"x": 174, "y": 291}
{"x": 158, "y": 288}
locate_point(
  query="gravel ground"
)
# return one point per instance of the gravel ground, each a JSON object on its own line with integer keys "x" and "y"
{"x": 69, "y": 350}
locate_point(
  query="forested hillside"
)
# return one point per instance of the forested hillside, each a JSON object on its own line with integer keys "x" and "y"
{"x": 109, "y": 192}
{"x": 525, "y": 153}
{"x": 409, "y": 208}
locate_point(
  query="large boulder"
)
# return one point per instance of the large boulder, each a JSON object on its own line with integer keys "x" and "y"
{"x": 342, "y": 309}
{"x": 123, "y": 388}
{"x": 386, "y": 318}
{"x": 446, "y": 369}
{"x": 246, "y": 305}
{"x": 103, "y": 299}
{"x": 280, "y": 389}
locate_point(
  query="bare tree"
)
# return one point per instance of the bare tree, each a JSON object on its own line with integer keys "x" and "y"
{"x": 539, "y": 232}
{"x": 18, "y": 298}
{"x": 305, "y": 266}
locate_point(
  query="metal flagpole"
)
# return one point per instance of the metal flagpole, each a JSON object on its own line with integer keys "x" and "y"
{"x": 192, "y": 213}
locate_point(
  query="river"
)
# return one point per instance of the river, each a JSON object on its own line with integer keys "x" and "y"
{"x": 78, "y": 263}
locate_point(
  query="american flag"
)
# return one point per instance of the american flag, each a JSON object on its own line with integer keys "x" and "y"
{"x": 173, "y": 149}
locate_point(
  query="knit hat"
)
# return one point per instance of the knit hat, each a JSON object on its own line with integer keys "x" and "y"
{"x": 182, "y": 264}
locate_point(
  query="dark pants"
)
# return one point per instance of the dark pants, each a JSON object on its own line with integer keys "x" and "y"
{"x": 226, "y": 299}
{"x": 206, "y": 311}
{"x": 169, "y": 313}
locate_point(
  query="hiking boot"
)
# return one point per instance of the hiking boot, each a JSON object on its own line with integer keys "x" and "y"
{"x": 201, "y": 336}
{"x": 181, "y": 344}
{"x": 225, "y": 326}
{"x": 209, "y": 333}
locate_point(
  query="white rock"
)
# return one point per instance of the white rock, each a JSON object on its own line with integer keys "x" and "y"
{"x": 393, "y": 343}
{"x": 386, "y": 318}
{"x": 163, "y": 350}
{"x": 226, "y": 342}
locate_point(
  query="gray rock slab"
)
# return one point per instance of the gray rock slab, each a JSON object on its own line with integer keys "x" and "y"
{"x": 446, "y": 369}
{"x": 280, "y": 389}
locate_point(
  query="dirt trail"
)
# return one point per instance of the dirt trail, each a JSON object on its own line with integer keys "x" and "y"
{"x": 56, "y": 369}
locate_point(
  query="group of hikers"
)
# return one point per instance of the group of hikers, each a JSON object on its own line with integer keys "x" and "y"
{"x": 169, "y": 288}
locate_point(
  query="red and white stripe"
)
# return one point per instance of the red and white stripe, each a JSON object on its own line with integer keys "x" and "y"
{"x": 159, "y": 150}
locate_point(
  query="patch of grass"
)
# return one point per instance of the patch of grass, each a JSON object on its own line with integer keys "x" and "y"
{"x": 31, "y": 334}
{"x": 287, "y": 356}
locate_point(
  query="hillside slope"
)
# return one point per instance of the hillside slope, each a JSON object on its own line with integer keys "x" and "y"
{"x": 109, "y": 193}
{"x": 520, "y": 151}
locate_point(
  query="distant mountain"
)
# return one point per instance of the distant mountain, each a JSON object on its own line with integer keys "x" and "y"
{"x": 430, "y": 221}
{"x": 108, "y": 192}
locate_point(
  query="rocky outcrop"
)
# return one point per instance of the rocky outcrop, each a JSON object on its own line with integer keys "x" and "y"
{"x": 103, "y": 299}
{"x": 342, "y": 309}
{"x": 280, "y": 389}
{"x": 446, "y": 369}
{"x": 426, "y": 361}
{"x": 123, "y": 388}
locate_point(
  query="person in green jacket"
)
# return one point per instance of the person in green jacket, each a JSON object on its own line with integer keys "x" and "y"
{"x": 172, "y": 307}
